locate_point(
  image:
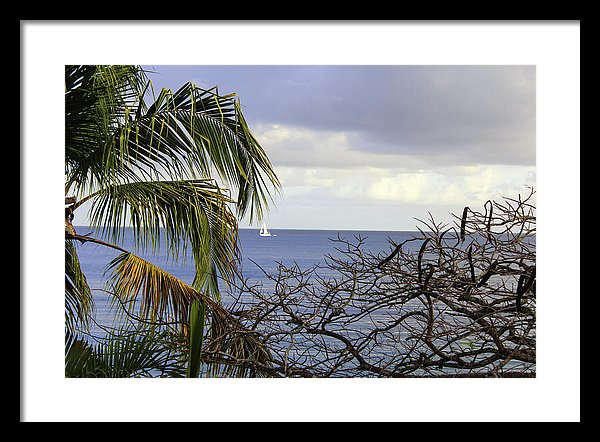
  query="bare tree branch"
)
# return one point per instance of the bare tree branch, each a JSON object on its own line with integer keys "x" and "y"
{"x": 407, "y": 312}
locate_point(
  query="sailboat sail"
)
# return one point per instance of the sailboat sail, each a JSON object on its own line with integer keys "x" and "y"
{"x": 264, "y": 231}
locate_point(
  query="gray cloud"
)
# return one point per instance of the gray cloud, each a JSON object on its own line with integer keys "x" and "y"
{"x": 457, "y": 114}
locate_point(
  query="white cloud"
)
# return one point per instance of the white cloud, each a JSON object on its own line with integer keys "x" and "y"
{"x": 451, "y": 187}
{"x": 407, "y": 187}
{"x": 473, "y": 186}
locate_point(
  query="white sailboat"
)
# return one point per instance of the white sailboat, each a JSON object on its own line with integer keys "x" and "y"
{"x": 264, "y": 231}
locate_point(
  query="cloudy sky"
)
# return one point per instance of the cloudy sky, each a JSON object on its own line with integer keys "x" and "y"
{"x": 375, "y": 146}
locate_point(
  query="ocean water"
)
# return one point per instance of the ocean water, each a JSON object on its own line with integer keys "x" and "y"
{"x": 260, "y": 255}
{"x": 288, "y": 247}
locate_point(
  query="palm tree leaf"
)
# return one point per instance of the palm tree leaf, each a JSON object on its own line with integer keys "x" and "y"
{"x": 152, "y": 292}
{"x": 79, "y": 302}
{"x": 192, "y": 132}
{"x": 139, "y": 351}
{"x": 113, "y": 136}
{"x": 97, "y": 101}
{"x": 163, "y": 297}
{"x": 79, "y": 357}
{"x": 131, "y": 350}
{"x": 192, "y": 214}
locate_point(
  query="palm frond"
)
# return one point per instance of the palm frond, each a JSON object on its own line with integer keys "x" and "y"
{"x": 157, "y": 295}
{"x": 192, "y": 214}
{"x": 79, "y": 358}
{"x": 192, "y": 132}
{"x": 113, "y": 136}
{"x": 151, "y": 292}
{"x": 98, "y": 100}
{"x": 79, "y": 302}
{"x": 131, "y": 350}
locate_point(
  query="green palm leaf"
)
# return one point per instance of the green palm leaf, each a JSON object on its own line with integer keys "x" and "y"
{"x": 196, "y": 131}
{"x": 79, "y": 302}
{"x": 79, "y": 358}
{"x": 192, "y": 214}
{"x": 96, "y": 100}
{"x": 131, "y": 350}
{"x": 113, "y": 136}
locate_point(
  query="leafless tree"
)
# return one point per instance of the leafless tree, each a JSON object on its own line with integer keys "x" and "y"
{"x": 450, "y": 301}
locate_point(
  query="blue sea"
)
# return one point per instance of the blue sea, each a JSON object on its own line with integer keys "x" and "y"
{"x": 288, "y": 247}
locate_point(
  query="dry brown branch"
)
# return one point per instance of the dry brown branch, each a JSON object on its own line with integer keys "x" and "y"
{"x": 459, "y": 303}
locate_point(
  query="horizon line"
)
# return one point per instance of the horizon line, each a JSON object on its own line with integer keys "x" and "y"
{"x": 301, "y": 228}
